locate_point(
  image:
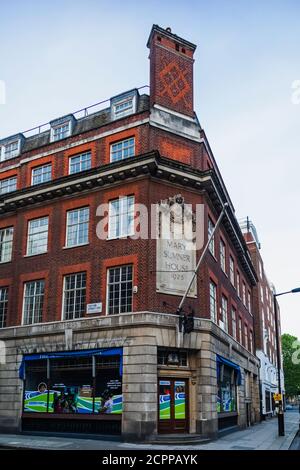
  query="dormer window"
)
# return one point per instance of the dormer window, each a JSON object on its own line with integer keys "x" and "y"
{"x": 61, "y": 132}
{"x": 124, "y": 108}
{"x": 11, "y": 150}
{"x": 124, "y": 105}
{"x": 62, "y": 128}
{"x": 11, "y": 147}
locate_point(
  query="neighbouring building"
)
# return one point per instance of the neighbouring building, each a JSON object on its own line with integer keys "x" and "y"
{"x": 89, "y": 322}
{"x": 265, "y": 332}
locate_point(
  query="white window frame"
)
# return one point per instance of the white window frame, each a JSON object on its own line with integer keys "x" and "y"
{"x": 246, "y": 336}
{"x": 87, "y": 222}
{"x": 240, "y": 328}
{"x": 8, "y": 180}
{"x": 128, "y": 105}
{"x": 55, "y": 127}
{"x": 261, "y": 294}
{"x": 224, "y": 311}
{"x": 213, "y": 299}
{"x": 14, "y": 153}
{"x": 44, "y": 229}
{"x": 80, "y": 156}
{"x": 233, "y": 323}
{"x": 108, "y": 287}
{"x": 260, "y": 269}
{"x": 223, "y": 255}
{"x": 8, "y": 232}
{"x": 249, "y": 302}
{"x": 251, "y": 341}
{"x": 125, "y": 144}
{"x": 244, "y": 293}
{"x": 231, "y": 270}
{"x": 238, "y": 284}
{"x": 35, "y": 301}
{"x": 210, "y": 228}
{"x": 121, "y": 222}
{"x": 41, "y": 167}
{"x": 3, "y": 305}
{"x": 75, "y": 290}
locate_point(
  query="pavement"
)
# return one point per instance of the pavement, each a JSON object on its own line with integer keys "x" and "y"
{"x": 262, "y": 436}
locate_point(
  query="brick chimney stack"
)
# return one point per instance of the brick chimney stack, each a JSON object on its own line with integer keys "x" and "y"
{"x": 171, "y": 71}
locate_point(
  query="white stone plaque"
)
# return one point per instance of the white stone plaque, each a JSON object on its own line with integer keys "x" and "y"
{"x": 175, "y": 264}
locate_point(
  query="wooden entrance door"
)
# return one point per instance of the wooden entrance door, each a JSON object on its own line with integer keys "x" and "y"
{"x": 173, "y": 401}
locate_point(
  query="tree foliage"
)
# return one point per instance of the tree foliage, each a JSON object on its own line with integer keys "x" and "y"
{"x": 291, "y": 364}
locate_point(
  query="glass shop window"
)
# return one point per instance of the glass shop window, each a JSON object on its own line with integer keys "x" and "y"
{"x": 71, "y": 386}
{"x": 36, "y": 388}
{"x": 226, "y": 390}
{"x": 108, "y": 393}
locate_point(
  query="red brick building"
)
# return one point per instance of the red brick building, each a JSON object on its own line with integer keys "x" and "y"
{"x": 89, "y": 321}
{"x": 265, "y": 331}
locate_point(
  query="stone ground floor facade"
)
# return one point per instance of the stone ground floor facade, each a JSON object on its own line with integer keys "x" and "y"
{"x": 131, "y": 374}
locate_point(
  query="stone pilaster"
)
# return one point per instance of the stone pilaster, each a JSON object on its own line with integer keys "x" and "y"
{"x": 207, "y": 419}
{"x": 139, "y": 418}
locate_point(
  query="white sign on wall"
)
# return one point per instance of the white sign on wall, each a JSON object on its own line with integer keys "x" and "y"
{"x": 175, "y": 249}
{"x": 94, "y": 308}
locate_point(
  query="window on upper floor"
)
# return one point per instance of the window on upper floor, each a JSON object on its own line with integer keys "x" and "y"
{"x": 123, "y": 149}
{"x": 80, "y": 162}
{"x": 260, "y": 269}
{"x": 121, "y": 217}
{"x": 251, "y": 341}
{"x": 246, "y": 336}
{"x": 11, "y": 150}
{"x": 213, "y": 301}
{"x": 223, "y": 255}
{"x": 212, "y": 242}
{"x": 6, "y": 243}
{"x": 124, "y": 104}
{"x": 261, "y": 294}
{"x": 3, "y": 306}
{"x": 77, "y": 232}
{"x": 61, "y": 131}
{"x": 37, "y": 241}
{"x": 233, "y": 322}
{"x": 74, "y": 296}
{"x": 41, "y": 174}
{"x": 8, "y": 185}
{"x": 238, "y": 284}
{"x": 123, "y": 107}
{"x": 10, "y": 147}
{"x": 119, "y": 289}
{"x": 249, "y": 301}
{"x": 33, "y": 302}
{"x": 240, "y": 331}
{"x": 224, "y": 313}
{"x": 244, "y": 293}
{"x": 231, "y": 270}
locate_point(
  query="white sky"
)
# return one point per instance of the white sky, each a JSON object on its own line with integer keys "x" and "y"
{"x": 59, "y": 56}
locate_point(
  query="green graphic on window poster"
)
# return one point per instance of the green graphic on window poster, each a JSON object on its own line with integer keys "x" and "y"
{"x": 164, "y": 399}
{"x": 179, "y": 400}
{"x": 37, "y": 402}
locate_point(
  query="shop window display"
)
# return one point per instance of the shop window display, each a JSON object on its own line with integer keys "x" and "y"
{"x": 226, "y": 390}
{"x": 36, "y": 393}
{"x": 81, "y": 385}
